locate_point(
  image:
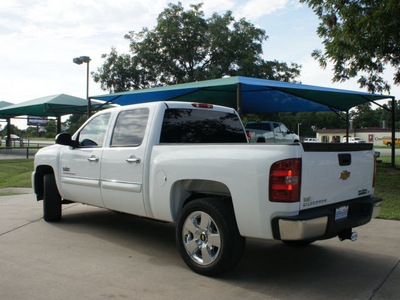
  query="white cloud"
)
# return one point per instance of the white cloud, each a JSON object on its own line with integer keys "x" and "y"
{"x": 255, "y": 9}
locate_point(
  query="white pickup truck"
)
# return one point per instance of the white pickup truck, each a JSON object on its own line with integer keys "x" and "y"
{"x": 191, "y": 164}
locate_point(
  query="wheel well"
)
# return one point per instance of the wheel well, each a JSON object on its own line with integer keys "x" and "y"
{"x": 39, "y": 175}
{"x": 261, "y": 140}
{"x": 184, "y": 191}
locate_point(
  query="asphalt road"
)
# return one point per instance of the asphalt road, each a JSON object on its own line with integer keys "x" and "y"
{"x": 94, "y": 253}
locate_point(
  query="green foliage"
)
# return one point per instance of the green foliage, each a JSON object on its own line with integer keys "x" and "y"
{"x": 74, "y": 122}
{"x": 185, "y": 46}
{"x": 14, "y": 130}
{"x": 361, "y": 38}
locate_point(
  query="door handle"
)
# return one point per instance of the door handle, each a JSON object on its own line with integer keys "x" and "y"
{"x": 133, "y": 159}
{"x": 93, "y": 158}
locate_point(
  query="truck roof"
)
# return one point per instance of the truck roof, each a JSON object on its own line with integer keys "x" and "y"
{"x": 176, "y": 105}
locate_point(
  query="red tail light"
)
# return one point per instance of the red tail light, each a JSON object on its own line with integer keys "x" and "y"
{"x": 285, "y": 181}
{"x": 248, "y": 134}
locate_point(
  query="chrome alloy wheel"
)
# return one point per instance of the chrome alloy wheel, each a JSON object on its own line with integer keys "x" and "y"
{"x": 201, "y": 238}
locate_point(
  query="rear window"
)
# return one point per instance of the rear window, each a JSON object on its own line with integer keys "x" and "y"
{"x": 201, "y": 126}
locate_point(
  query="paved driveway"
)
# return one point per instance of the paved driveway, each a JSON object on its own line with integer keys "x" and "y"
{"x": 98, "y": 254}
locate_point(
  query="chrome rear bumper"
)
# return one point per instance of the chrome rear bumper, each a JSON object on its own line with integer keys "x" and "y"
{"x": 320, "y": 223}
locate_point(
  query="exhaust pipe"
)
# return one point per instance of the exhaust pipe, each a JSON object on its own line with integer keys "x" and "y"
{"x": 348, "y": 235}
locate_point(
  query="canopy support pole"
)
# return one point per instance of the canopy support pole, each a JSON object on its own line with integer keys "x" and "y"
{"x": 393, "y": 132}
{"x": 89, "y": 104}
{"x": 239, "y": 99}
{"x": 58, "y": 124}
{"x": 8, "y": 141}
{"x": 347, "y": 126}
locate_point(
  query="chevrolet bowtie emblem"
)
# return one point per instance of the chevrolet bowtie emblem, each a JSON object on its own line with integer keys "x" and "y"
{"x": 344, "y": 175}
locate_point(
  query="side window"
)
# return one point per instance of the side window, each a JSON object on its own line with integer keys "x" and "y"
{"x": 277, "y": 128}
{"x": 130, "y": 127}
{"x": 284, "y": 128}
{"x": 92, "y": 135}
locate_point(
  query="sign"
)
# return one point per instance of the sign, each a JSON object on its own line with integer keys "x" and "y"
{"x": 370, "y": 138}
{"x": 37, "y": 121}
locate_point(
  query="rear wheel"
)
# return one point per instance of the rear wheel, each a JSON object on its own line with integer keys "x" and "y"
{"x": 51, "y": 199}
{"x": 389, "y": 144}
{"x": 207, "y": 236}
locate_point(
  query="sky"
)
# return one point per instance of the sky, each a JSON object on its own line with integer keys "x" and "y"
{"x": 39, "y": 39}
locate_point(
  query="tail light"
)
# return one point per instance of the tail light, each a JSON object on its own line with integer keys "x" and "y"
{"x": 285, "y": 181}
{"x": 248, "y": 134}
{"x": 202, "y": 105}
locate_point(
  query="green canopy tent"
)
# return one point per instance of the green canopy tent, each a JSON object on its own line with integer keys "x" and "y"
{"x": 51, "y": 106}
{"x": 253, "y": 95}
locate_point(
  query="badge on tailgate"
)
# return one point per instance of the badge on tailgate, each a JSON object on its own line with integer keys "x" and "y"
{"x": 344, "y": 175}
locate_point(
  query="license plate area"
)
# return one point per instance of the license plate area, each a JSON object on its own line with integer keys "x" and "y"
{"x": 341, "y": 213}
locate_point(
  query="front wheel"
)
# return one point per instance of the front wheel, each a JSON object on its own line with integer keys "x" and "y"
{"x": 51, "y": 199}
{"x": 389, "y": 144}
{"x": 207, "y": 236}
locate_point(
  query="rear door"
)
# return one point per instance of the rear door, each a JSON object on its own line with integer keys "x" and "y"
{"x": 333, "y": 173}
{"x": 123, "y": 163}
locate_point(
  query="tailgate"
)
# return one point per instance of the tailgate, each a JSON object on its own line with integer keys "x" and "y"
{"x": 333, "y": 173}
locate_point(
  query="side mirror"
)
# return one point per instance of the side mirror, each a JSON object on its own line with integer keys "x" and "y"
{"x": 65, "y": 139}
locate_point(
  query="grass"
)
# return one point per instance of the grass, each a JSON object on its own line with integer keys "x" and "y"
{"x": 387, "y": 187}
{"x": 17, "y": 173}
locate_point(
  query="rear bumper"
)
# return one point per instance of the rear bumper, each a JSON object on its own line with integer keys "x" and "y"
{"x": 319, "y": 223}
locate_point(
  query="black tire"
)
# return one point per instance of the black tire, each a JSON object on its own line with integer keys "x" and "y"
{"x": 51, "y": 199}
{"x": 207, "y": 236}
{"x": 389, "y": 144}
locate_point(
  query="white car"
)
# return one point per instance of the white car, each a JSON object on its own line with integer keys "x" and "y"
{"x": 311, "y": 140}
{"x": 354, "y": 140}
{"x": 270, "y": 132}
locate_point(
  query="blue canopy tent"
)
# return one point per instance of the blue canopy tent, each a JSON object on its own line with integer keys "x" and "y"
{"x": 252, "y": 95}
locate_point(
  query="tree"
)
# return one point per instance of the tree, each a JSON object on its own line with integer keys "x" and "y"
{"x": 74, "y": 122}
{"x": 185, "y": 46}
{"x": 364, "y": 116}
{"x": 361, "y": 38}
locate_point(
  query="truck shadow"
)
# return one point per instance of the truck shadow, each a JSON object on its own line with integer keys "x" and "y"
{"x": 267, "y": 267}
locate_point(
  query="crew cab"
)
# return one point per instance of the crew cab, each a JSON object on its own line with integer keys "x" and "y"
{"x": 191, "y": 164}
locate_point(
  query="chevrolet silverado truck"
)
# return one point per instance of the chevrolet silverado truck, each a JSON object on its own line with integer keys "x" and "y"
{"x": 191, "y": 164}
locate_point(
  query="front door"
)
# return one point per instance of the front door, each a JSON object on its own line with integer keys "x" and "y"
{"x": 80, "y": 166}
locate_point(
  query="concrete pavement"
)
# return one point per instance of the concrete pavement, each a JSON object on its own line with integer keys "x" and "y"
{"x": 94, "y": 253}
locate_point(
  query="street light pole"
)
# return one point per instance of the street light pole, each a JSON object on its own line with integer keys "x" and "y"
{"x": 80, "y": 60}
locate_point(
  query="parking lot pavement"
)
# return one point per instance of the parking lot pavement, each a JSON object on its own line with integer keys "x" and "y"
{"x": 99, "y": 254}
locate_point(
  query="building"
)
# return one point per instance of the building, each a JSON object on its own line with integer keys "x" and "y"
{"x": 370, "y": 135}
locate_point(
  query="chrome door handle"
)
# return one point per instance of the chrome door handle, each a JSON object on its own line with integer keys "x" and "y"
{"x": 93, "y": 158}
{"x": 133, "y": 159}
